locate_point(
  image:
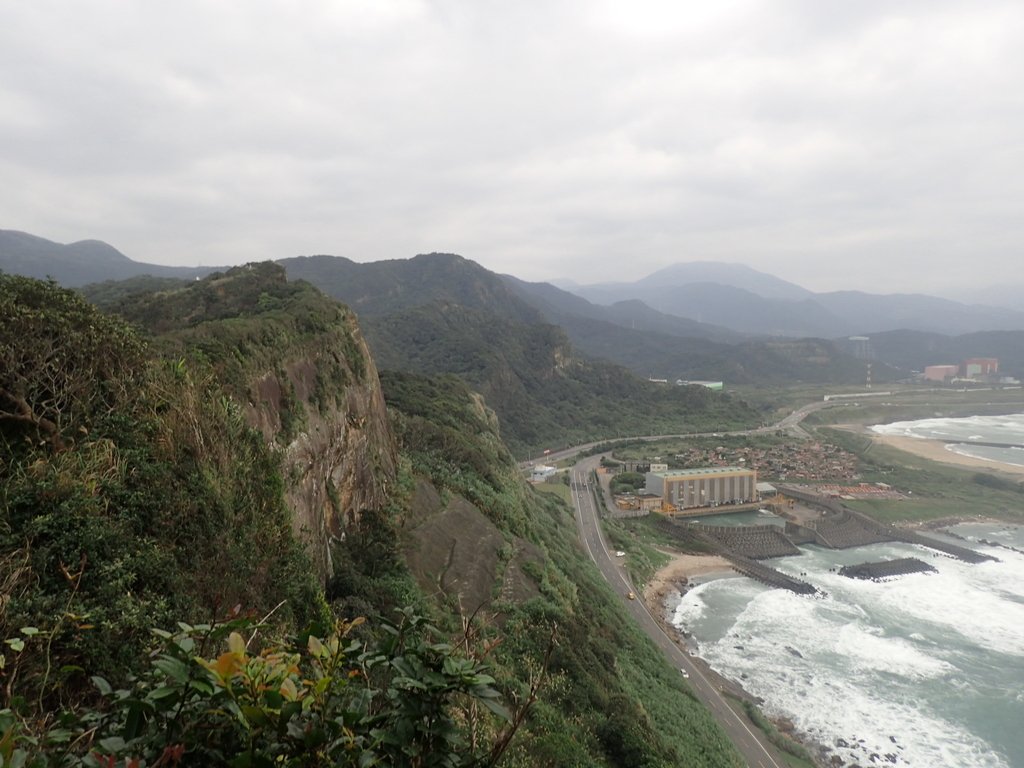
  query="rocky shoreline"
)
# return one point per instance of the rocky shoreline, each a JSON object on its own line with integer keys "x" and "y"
{"x": 684, "y": 572}
{"x": 661, "y": 602}
{"x": 663, "y": 593}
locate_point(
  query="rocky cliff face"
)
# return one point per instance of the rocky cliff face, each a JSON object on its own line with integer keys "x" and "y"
{"x": 297, "y": 363}
{"x": 324, "y": 408}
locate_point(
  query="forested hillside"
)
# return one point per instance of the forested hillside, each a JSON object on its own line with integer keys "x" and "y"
{"x": 399, "y": 303}
{"x": 198, "y": 511}
{"x": 545, "y": 395}
{"x": 296, "y": 363}
{"x": 133, "y": 493}
{"x": 155, "y": 497}
{"x": 441, "y": 313}
{"x": 381, "y": 288}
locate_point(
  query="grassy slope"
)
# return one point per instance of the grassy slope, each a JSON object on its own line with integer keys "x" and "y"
{"x": 937, "y": 491}
{"x": 611, "y": 699}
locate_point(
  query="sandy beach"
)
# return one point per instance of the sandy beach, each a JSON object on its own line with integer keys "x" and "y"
{"x": 935, "y": 450}
{"x": 682, "y": 567}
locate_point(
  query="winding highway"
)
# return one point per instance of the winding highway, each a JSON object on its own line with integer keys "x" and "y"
{"x": 750, "y": 742}
{"x": 790, "y": 423}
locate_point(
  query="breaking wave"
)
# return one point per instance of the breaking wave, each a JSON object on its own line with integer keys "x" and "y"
{"x": 923, "y": 670}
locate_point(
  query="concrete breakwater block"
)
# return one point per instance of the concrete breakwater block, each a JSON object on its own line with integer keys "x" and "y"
{"x": 886, "y": 568}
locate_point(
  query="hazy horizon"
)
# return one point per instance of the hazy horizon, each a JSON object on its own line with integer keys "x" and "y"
{"x": 873, "y": 146}
{"x": 568, "y": 283}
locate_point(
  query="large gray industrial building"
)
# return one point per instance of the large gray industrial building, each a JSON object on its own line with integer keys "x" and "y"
{"x": 682, "y": 489}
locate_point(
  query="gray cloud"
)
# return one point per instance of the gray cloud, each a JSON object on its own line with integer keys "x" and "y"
{"x": 871, "y": 145}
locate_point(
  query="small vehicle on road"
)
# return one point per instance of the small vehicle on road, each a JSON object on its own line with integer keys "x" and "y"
{"x": 631, "y": 595}
{"x": 684, "y": 673}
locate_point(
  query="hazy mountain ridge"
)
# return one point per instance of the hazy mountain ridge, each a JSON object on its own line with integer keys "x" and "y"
{"x": 753, "y": 302}
{"x": 876, "y": 313}
{"x": 630, "y": 333}
{"x": 634, "y": 314}
{"x": 720, "y": 301}
{"x": 656, "y": 345}
{"x": 442, "y": 313}
{"x": 723, "y": 273}
{"x": 627, "y": 331}
{"x": 77, "y": 264}
{"x": 379, "y": 288}
{"x": 1009, "y": 295}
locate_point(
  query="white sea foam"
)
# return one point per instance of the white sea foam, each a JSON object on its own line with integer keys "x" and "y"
{"x": 997, "y": 429}
{"x": 917, "y": 659}
{"x": 691, "y": 607}
{"x": 963, "y": 434}
{"x": 1003, "y": 455}
{"x": 826, "y": 679}
{"x": 989, "y": 622}
{"x": 969, "y": 599}
{"x": 867, "y": 648}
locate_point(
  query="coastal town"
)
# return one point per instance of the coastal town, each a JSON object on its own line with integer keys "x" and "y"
{"x": 804, "y": 514}
{"x": 792, "y": 461}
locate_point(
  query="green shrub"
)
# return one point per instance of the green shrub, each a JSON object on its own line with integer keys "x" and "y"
{"x": 406, "y": 699}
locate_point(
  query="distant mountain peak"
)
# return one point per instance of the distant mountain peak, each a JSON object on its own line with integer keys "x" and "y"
{"x": 383, "y": 287}
{"x": 441, "y": 256}
{"x": 78, "y": 263}
{"x": 732, "y": 274}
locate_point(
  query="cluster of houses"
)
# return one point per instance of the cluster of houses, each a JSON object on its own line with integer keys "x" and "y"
{"x": 716, "y": 479}
{"x": 792, "y": 461}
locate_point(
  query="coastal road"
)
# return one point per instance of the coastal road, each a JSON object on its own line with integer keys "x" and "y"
{"x": 790, "y": 422}
{"x": 749, "y": 742}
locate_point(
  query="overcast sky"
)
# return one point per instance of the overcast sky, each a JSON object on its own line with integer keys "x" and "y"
{"x": 834, "y": 143}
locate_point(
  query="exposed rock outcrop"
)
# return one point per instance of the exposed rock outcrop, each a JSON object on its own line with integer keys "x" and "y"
{"x": 296, "y": 361}
{"x": 324, "y": 408}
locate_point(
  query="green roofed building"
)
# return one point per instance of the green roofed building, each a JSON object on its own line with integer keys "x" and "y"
{"x": 718, "y": 386}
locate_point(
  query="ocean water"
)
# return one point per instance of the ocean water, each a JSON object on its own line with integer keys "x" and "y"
{"x": 921, "y": 670}
{"x": 965, "y": 431}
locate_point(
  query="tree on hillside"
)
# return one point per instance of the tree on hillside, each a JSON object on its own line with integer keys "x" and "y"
{"x": 62, "y": 362}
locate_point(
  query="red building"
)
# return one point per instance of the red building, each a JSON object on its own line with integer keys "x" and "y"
{"x": 941, "y": 372}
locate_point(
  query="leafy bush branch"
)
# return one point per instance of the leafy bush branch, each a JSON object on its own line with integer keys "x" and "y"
{"x": 406, "y": 699}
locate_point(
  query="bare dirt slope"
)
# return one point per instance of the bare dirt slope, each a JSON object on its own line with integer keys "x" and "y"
{"x": 453, "y": 548}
